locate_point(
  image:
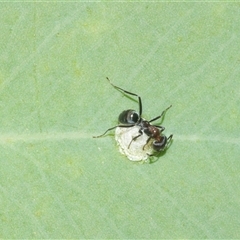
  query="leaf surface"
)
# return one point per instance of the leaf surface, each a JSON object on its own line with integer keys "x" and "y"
{"x": 59, "y": 182}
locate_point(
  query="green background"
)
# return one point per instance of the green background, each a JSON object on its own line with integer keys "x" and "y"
{"x": 56, "y": 181}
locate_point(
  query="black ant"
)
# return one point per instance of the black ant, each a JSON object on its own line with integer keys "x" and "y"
{"x": 130, "y": 118}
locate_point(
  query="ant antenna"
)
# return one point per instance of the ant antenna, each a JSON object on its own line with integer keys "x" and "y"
{"x": 133, "y": 94}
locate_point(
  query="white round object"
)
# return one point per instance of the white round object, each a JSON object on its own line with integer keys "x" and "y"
{"x": 134, "y": 151}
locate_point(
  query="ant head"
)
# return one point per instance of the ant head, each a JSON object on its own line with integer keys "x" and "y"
{"x": 128, "y": 117}
{"x": 160, "y": 144}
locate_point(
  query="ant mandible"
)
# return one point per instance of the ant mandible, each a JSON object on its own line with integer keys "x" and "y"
{"x": 130, "y": 118}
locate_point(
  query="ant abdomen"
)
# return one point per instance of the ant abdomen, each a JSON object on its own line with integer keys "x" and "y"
{"x": 128, "y": 117}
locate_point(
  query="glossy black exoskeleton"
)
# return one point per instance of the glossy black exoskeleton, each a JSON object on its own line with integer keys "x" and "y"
{"x": 130, "y": 118}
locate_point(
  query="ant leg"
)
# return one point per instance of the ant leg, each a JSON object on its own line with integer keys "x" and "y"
{"x": 161, "y": 127}
{"x": 133, "y": 94}
{"x": 112, "y": 129}
{"x": 134, "y": 138}
{"x": 146, "y": 142}
{"x": 169, "y": 139}
{"x": 105, "y": 132}
{"x": 160, "y": 115}
{"x": 168, "y": 142}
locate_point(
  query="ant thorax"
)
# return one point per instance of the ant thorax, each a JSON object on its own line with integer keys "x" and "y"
{"x": 136, "y": 150}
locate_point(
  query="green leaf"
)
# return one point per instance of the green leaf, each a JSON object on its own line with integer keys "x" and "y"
{"x": 59, "y": 182}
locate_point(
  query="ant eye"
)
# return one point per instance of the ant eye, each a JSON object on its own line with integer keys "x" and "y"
{"x": 128, "y": 117}
{"x": 160, "y": 145}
